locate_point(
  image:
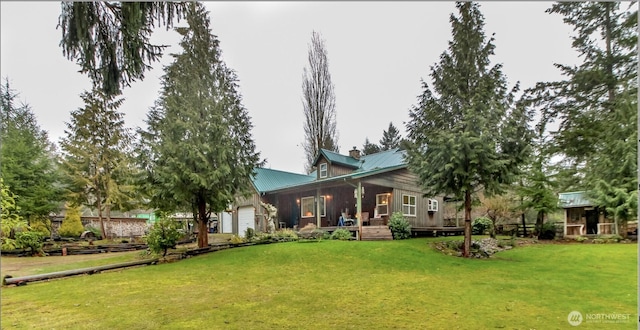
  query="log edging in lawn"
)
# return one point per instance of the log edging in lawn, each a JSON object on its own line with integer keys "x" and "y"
{"x": 22, "y": 280}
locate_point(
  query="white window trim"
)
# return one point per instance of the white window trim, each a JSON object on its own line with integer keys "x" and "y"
{"x": 413, "y": 206}
{"x": 386, "y": 196}
{"x": 323, "y": 209}
{"x": 326, "y": 170}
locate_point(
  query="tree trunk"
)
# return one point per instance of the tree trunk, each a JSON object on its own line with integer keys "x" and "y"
{"x": 203, "y": 234}
{"x": 104, "y": 233}
{"x": 539, "y": 222}
{"x": 108, "y": 213}
{"x": 524, "y": 226}
{"x": 467, "y": 224}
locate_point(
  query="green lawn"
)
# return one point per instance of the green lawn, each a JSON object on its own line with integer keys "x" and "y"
{"x": 338, "y": 285}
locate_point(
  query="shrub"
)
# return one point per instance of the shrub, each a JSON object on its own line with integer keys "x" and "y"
{"x": 287, "y": 234}
{"x": 310, "y": 232}
{"x": 42, "y": 226}
{"x": 163, "y": 235}
{"x": 580, "y": 239}
{"x": 611, "y": 238}
{"x": 95, "y": 231}
{"x": 249, "y": 233}
{"x": 548, "y": 231}
{"x": 399, "y": 226}
{"x": 481, "y": 225}
{"x": 341, "y": 234}
{"x": 31, "y": 240}
{"x": 71, "y": 224}
{"x": 235, "y": 239}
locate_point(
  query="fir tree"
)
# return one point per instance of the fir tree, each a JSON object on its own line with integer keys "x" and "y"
{"x": 390, "y": 138}
{"x": 465, "y": 132}
{"x": 197, "y": 150}
{"x": 369, "y": 148}
{"x": 28, "y": 164}
{"x": 606, "y": 40}
{"x": 95, "y": 156}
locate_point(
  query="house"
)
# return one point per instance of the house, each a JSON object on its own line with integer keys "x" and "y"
{"x": 366, "y": 190}
{"x": 581, "y": 217}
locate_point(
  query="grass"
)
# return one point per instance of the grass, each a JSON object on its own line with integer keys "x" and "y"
{"x": 338, "y": 284}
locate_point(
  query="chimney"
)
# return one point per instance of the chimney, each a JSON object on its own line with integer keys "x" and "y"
{"x": 355, "y": 153}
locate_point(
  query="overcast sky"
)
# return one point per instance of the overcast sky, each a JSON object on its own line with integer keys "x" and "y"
{"x": 378, "y": 53}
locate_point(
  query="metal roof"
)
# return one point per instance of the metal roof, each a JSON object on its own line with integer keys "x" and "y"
{"x": 270, "y": 180}
{"x": 574, "y": 199}
{"x": 334, "y": 157}
{"x": 267, "y": 179}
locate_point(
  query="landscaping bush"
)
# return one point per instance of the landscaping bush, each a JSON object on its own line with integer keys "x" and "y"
{"x": 249, "y": 233}
{"x": 580, "y": 239}
{"x": 41, "y": 225}
{"x": 29, "y": 239}
{"x": 341, "y": 234}
{"x": 71, "y": 224}
{"x": 235, "y": 239}
{"x": 310, "y": 232}
{"x": 163, "y": 235}
{"x": 286, "y": 234}
{"x": 399, "y": 226}
{"x": 95, "y": 231}
{"x": 481, "y": 225}
{"x": 548, "y": 231}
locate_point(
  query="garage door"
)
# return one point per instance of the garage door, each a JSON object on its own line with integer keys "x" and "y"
{"x": 226, "y": 223}
{"x": 246, "y": 216}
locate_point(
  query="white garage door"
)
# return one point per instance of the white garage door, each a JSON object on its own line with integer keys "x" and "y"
{"x": 226, "y": 223}
{"x": 246, "y": 216}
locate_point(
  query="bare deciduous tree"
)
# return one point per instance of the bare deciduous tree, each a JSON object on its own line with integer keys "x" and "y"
{"x": 319, "y": 103}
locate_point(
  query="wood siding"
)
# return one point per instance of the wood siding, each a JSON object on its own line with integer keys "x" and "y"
{"x": 423, "y": 218}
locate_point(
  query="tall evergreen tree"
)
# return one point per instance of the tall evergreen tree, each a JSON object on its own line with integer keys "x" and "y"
{"x": 612, "y": 178}
{"x": 198, "y": 148}
{"x": 318, "y": 103}
{"x": 95, "y": 156}
{"x": 28, "y": 164}
{"x": 606, "y": 40}
{"x": 465, "y": 133}
{"x": 595, "y": 105}
{"x": 369, "y": 148}
{"x": 110, "y": 40}
{"x": 390, "y": 138}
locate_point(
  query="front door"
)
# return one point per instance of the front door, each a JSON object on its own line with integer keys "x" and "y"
{"x": 592, "y": 221}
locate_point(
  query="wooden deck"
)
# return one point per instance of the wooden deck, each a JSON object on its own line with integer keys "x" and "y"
{"x": 437, "y": 231}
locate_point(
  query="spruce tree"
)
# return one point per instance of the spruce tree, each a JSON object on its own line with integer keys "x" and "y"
{"x": 390, "y": 138}
{"x": 197, "y": 149}
{"x": 465, "y": 133}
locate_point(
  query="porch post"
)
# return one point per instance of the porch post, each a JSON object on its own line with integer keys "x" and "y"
{"x": 318, "y": 218}
{"x": 359, "y": 208}
{"x": 565, "y": 222}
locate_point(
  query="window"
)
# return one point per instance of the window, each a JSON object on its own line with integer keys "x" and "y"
{"x": 308, "y": 207}
{"x": 323, "y": 170}
{"x": 382, "y": 204}
{"x": 409, "y": 205}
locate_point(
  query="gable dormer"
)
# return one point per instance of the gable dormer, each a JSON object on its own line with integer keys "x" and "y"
{"x": 330, "y": 164}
